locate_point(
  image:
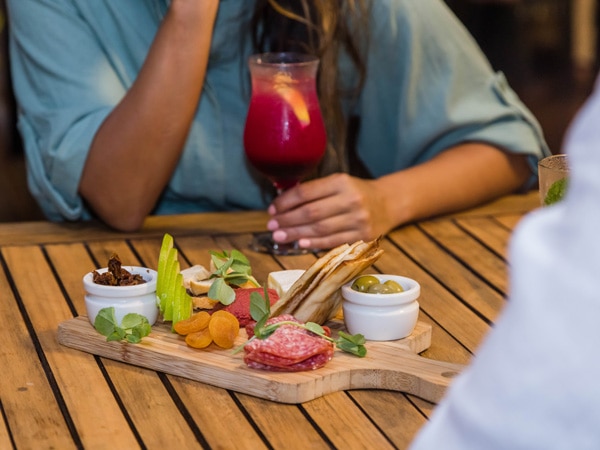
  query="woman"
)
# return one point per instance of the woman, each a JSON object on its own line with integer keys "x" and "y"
{"x": 133, "y": 108}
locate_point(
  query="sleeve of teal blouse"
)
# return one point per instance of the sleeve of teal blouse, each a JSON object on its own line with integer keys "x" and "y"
{"x": 429, "y": 88}
{"x": 65, "y": 87}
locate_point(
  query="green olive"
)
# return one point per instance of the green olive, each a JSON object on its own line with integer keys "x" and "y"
{"x": 361, "y": 284}
{"x": 380, "y": 288}
{"x": 396, "y": 287}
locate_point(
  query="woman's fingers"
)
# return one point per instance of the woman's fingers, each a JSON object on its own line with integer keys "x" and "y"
{"x": 328, "y": 212}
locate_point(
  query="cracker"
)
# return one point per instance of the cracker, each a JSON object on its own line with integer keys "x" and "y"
{"x": 315, "y": 296}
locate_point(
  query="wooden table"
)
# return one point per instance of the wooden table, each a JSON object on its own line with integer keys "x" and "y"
{"x": 53, "y": 396}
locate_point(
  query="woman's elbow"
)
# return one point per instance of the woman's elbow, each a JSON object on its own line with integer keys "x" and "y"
{"x": 119, "y": 214}
{"x": 126, "y": 223}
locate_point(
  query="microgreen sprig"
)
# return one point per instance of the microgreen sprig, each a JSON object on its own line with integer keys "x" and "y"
{"x": 231, "y": 268}
{"x": 132, "y": 328}
{"x": 260, "y": 310}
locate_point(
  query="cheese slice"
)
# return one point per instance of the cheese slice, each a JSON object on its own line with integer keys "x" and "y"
{"x": 196, "y": 279}
{"x": 282, "y": 280}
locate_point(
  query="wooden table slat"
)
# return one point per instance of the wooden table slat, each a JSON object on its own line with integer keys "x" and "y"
{"x": 5, "y": 440}
{"x": 274, "y": 419}
{"x": 24, "y": 384}
{"x": 462, "y": 247}
{"x": 335, "y": 410}
{"x": 378, "y": 405}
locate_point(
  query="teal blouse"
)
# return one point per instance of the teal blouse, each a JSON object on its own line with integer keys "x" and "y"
{"x": 428, "y": 88}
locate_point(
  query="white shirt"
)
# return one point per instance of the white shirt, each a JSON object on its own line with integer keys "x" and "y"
{"x": 535, "y": 382}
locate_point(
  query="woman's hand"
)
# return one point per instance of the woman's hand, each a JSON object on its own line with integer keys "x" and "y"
{"x": 339, "y": 209}
{"x": 330, "y": 211}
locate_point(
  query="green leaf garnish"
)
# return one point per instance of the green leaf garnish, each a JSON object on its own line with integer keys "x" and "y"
{"x": 132, "y": 320}
{"x": 220, "y": 290}
{"x": 556, "y": 192}
{"x": 354, "y": 344}
{"x": 105, "y": 321}
{"x": 231, "y": 269}
{"x": 234, "y": 259}
{"x": 221, "y": 265}
{"x": 260, "y": 309}
{"x": 174, "y": 302}
{"x": 315, "y": 328}
{"x": 132, "y": 328}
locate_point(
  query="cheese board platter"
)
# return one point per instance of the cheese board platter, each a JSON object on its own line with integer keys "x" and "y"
{"x": 390, "y": 365}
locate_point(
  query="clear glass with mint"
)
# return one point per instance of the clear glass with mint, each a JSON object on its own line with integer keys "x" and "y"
{"x": 553, "y": 172}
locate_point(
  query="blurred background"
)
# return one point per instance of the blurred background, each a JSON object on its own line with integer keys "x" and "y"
{"x": 546, "y": 48}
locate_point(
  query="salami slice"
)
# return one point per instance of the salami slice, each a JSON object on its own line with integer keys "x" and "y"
{"x": 288, "y": 349}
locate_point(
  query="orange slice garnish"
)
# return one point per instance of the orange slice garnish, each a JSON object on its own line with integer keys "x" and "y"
{"x": 293, "y": 97}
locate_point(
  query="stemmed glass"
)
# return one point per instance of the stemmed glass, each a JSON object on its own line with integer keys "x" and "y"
{"x": 284, "y": 136}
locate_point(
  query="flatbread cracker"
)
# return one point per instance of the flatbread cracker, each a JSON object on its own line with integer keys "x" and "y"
{"x": 315, "y": 296}
{"x": 323, "y": 303}
{"x": 297, "y": 292}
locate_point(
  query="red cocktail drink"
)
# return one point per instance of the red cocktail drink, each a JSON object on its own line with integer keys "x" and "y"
{"x": 285, "y": 135}
{"x": 284, "y": 147}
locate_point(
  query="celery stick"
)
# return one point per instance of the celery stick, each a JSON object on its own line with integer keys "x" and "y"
{"x": 173, "y": 301}
{"x": 171, "y": 270}
{"x": 182, "y": 302}
{"x": 167, "y": 244}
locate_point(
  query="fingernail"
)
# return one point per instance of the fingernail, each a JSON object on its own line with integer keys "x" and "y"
{"x": 271, "y": 210}
{"x": 279, "y": 236}
{"x": 304, "y": 243}
{"x": 272, "y": 225}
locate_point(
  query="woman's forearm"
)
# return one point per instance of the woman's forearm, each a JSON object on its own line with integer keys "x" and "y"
{"x": 458, "y": 178}
{"x": 136, "y": 149}
{"x": 326, "y": 212}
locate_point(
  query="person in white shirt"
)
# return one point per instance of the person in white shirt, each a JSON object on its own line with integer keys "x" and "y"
{"x": 535, "y": 381}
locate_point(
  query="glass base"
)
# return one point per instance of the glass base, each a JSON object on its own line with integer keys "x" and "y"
{"x": 263, "y": 242}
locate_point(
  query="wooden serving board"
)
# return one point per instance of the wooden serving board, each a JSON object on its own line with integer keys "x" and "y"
{"x": 392, "y": 365}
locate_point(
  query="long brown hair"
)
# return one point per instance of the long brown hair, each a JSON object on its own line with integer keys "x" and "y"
{"x": 327, "y": 29}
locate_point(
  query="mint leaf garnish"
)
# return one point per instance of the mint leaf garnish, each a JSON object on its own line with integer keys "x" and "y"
{"x": 231, "y": 269}
{"x": 260, "y": 306}
{"x": 556, "y": 192}
{"x": 354, "y": 344}
{"x": 221, "y": 291}
{"x": 132, "y": 328}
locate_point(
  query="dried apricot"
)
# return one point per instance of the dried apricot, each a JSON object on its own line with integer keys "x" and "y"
{"x": 224, "y": 328}
{"x": 199, "y": 339}
{"x": 196, "y": 322}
